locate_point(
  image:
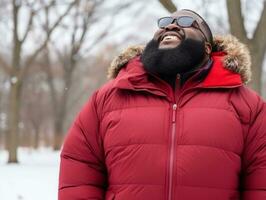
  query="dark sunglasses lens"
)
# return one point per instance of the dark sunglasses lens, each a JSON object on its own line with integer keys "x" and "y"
{"x": 163, "y": 22}
{"x": 185, "y": 21}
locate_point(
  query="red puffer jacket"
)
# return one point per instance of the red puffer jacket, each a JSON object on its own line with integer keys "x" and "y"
{"x": 137, "y": 139}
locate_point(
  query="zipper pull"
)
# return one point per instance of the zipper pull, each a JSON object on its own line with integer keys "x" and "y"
{"x": 174, "y": 112}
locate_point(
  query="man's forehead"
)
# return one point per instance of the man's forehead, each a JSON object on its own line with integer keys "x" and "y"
{"x": 185, "y": 13}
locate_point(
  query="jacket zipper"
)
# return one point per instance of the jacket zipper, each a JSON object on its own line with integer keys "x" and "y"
{"x": 173, "y": 138}
{"x": 172, "y": 145}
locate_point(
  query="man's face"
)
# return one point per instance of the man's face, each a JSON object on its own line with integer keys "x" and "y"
{"x": 176, "y": 49}
{"x": 172, "y": 35}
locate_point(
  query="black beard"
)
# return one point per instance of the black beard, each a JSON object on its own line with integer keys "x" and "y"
{"x": 169, "y": 62}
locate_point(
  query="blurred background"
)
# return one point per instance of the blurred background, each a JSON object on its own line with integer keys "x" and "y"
{"x": 55, "y": 53}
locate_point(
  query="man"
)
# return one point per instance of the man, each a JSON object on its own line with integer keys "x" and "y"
{"x": 176, "y": 122}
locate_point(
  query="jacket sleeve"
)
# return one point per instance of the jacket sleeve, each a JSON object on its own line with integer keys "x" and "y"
{"x": 254, "y": 156}
{"x": 82, "y": 171}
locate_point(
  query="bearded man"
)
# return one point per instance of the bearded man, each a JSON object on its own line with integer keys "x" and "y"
{"x": 176, "y": 122}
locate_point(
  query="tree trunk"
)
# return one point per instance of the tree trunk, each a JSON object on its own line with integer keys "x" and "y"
{"x": 58, "y": 141}
{"x": 13, "y": 121}
{"x": 257, "y": 58}
{"x": 58, "y": 135}
{"x": 60, "y": 119}
{"x": 61, "y": 106}
{"x": 36, "y": 138}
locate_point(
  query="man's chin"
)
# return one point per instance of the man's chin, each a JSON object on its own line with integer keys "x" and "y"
{"x": 168, "y": 59}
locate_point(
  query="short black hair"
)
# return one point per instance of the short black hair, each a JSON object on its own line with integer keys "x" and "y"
{"x": 204, "y": 24}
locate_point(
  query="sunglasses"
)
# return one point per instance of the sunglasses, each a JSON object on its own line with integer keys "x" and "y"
{"x": 183, "y": 21}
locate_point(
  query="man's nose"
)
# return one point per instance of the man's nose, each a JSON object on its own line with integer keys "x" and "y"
{"x": 172, "y": 26}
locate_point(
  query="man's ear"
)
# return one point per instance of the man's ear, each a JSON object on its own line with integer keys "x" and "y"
{"x": 208, "y": 48}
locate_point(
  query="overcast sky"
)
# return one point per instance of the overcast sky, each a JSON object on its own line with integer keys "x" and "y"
{"x": 137, "y": 24}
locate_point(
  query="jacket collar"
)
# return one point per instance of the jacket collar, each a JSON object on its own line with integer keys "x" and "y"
{"x": 219, "y": 76}
{"x": 134, "y": 77}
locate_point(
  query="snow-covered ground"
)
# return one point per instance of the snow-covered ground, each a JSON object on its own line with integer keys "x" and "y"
{"x": 34, "y": 178}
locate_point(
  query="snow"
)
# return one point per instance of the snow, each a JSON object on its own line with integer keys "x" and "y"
{"x": 35, "y": 177}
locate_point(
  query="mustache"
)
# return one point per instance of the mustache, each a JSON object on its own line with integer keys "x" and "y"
{"x": 175, "y": 33}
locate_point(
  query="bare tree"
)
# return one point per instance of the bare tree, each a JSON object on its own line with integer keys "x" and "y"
{"x": 17, "y": 68}
{"x": 84, "y": 15}
{"x": 82, "y": 18}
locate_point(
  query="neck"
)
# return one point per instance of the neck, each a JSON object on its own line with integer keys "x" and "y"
{"x": 200, "y": 65}
{"x": 171, "y": 80}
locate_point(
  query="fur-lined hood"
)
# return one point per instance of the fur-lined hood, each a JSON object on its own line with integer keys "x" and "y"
{"x": 237, "y": 59}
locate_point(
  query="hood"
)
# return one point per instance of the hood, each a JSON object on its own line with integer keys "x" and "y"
{"x": 237, "y": 58}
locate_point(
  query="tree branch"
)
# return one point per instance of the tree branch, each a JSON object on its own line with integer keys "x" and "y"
{"x": 107, "y": 31}
{"x": 60, "y": 19}
{"x": 96, "y": 41}
{"x": 28, "y": 27}
{"x": 75, "y": 30}
{"x": 86, "y": 22}
{"x": 43, "y": 45}
{"x": 168, "y": 5}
